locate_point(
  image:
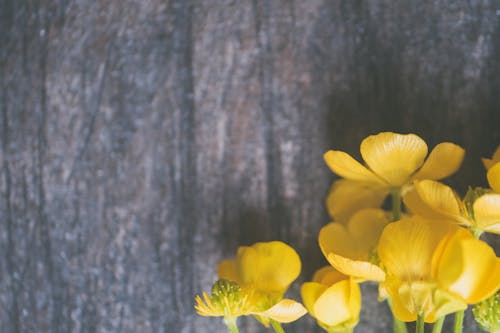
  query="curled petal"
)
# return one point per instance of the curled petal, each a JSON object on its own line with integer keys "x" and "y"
{"x": 347, "y": 167}
{"x": 487, "y": 212}
{"x": 444, "y": 160}
{"x": 285, "y": 311}
{"x": 434, "y": 200}
{"x": 394, "y": 157}
{"x": 467, "y": 268}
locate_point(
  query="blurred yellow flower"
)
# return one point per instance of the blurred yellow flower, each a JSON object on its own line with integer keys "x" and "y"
{"x": 265, "y": 271}
{"x": 489, "y": 162}
{"x": 432, "y": 199}
{"x": 334, "y": 299}
{"x": 434, "y": 269}
{"x": 393, "y": 161}
{"x": 351, "y": 247}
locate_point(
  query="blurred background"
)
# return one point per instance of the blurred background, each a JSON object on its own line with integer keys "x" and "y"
{"x": 142, "y": 141}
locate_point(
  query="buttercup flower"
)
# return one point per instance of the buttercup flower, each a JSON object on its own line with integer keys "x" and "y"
{"x": 431, "y": 199}
{"x": 434, "y": 269}
{"x": 351, "y": 248}
{"x": 393, "y": 161}
{"x": 334, "y": 299}
{"x": 266, "y": 270}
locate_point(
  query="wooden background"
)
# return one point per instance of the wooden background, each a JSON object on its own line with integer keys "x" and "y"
{"x": 142, "y": 141}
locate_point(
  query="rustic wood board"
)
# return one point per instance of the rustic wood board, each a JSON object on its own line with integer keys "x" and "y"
{"x": 143, "y": 141}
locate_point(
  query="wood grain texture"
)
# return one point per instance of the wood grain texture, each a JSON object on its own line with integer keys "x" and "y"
{"x": 142, "y": 141}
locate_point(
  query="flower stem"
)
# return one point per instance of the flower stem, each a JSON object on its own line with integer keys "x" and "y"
{"x": 459, "y": 320}
{"x": 396, "y": 204}
{"x": 438, "y": 325}
{"x": 398, "y": 325}
{"x": 231, "y": 324}
{"x": 420, "y": 324}
{"x": 277, "y": 327}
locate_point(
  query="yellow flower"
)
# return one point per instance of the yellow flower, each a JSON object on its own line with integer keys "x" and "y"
{"x": 351, "y": 247}
{"x": 333, "y": 299}
{"x": 432, "y": 199}
{"x": 434, "y": 269}
{"x": 266, "y": 270}
{"x": 227, "y": 300}
{"x": 393, "y": 161}
{"x": 489, "y": 162}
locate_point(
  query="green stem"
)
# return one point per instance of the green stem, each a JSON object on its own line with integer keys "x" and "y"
{"x": 476, "y": 232}
{"x": 231, "y": 324}
{"x": 398, "y": 325}
{"x": 459, "y": 320}
{"x": 420, "y": 324}
{"x": 396, "y": 204}
{"x": 438, "y": 325}
{"x": 277, "y": 327}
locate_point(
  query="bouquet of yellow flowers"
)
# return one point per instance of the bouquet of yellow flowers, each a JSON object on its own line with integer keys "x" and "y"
{"x": 427, "y": 259}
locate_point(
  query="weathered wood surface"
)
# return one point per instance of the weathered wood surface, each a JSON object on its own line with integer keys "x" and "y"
{"x": 143, "y": 141}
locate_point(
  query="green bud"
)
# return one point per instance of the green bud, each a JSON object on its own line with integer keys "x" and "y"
{"x": 487, "y": 313}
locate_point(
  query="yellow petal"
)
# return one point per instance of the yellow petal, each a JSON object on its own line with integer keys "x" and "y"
{"x": 444, "y": 160}
{"x": 406, "y": 247}
{"x": 434, "y": 200}
{"x": 332, "y": 307}
{"x": 310, "y": 292}
{"x": 285, "y": 311}
{"x": 494, "y": 177}
{"x": 354, "y": 300}
{"x": 349, "y": 196}
{"x": 358, "y": 269}
{"x": 487, "y": 212}
{"x": 268, "y": 267}
{"x": 488, "y": 163}
{"x": 328, "y": 275}
{"x": 365, "y": 227}
{"x": 228, "y": 270}
{"x": 349, "y": 254}
{"x": 347, "y": 167}
{"x": 475, "y": 262}
{"x": 394, "y": 157}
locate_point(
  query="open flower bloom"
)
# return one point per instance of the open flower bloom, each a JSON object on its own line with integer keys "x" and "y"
{"x": 333, "y": 298}
{"x": 351, "y": 248}
{"x": 432, "y": 199}
{"x": 393, "y": 160}
{"x": 489, "y": 162}
{"x": 434, "y": 269}
{"x": 264, "y": 271}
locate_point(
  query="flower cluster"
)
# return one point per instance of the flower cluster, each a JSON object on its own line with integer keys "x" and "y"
{"x": 425, "y": 252}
